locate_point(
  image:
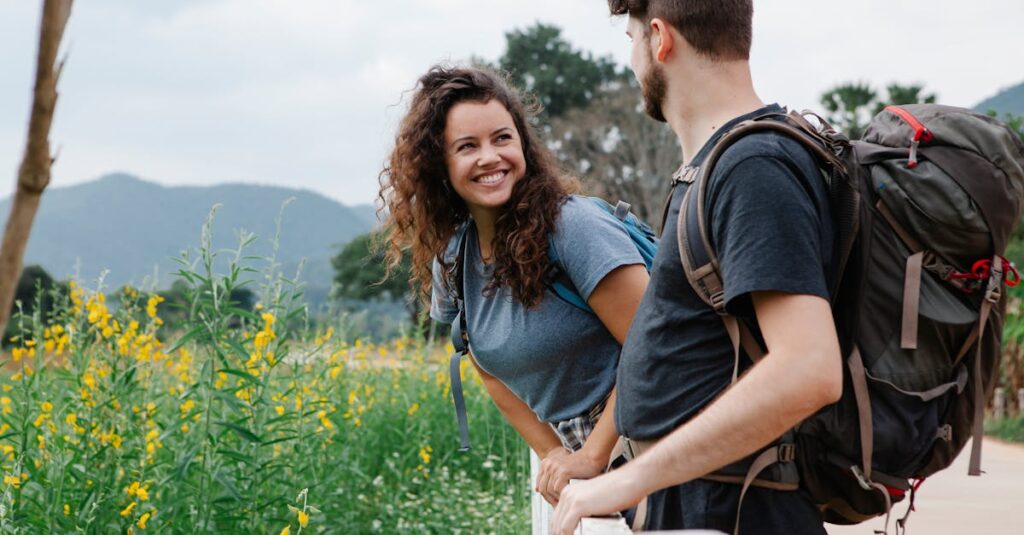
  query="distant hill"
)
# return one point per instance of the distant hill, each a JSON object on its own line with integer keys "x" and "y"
{"x": 1009, "y": 100}
{"x": 133, "y": 228}
{"x": 367, "y": 212}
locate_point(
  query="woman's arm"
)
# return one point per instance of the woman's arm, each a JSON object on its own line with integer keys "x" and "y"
{"x": 615, "y": 301}
{"x": 537, "y": 434}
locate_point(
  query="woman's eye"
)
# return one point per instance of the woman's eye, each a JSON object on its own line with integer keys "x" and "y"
{"x": 464, "y": 146}
{"x": 504, "y": 137}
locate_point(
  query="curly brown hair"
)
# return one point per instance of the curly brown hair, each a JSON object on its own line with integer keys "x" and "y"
{"x": 424, "y": 212}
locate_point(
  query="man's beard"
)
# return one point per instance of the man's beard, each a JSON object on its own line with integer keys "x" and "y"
{"x": 653, "y": 88}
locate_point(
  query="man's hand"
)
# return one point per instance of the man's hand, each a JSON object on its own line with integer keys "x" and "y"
{"x": 603, "y": 495}
{"x": 559, "y": 466}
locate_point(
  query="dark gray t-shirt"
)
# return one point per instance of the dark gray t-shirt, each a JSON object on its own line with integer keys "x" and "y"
{"x": 771, "y": 226}
{"x": 557, "y": 358}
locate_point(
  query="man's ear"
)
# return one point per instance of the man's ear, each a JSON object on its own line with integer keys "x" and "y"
{"x": 662, "y": 39}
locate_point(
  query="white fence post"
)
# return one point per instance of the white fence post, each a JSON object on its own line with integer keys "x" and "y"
{"x": 1000, "y": 403}
{"x": 541, "y": 509}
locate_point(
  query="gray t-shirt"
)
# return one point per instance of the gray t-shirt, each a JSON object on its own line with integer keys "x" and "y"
{"x": 558, "y": 359}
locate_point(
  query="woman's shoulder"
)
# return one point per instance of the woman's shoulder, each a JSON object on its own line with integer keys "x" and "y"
{"x": 581, "y": 207}
{"x": 584, "y": 220}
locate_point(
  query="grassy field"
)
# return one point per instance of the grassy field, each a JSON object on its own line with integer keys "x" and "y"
{"x": 241, "y": 422}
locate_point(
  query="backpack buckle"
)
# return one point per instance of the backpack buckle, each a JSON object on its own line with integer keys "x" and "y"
{"x": 860, "y": 478}
{"x": 787, "y": 452}
{"x": 685, "y": 173}
{"x": 995, "y": 282}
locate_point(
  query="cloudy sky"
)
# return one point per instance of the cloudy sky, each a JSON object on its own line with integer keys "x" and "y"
{"x": 307, "y": 93}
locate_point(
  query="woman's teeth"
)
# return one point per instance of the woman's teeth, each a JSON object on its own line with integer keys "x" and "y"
{"x": 491, "y": 179}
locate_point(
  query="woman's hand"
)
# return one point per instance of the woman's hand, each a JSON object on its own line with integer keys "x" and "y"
{"x": 559, "y": 466}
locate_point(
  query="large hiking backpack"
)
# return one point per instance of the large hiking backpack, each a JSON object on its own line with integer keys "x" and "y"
{"x": 556, "y": 280}
{"x": 924, "y": 206}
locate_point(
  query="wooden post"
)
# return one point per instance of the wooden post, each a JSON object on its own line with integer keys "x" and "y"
{"x": 34, "y": 172}
{"x": 1000, "y": 403}
{"x": 1020, "y": 403}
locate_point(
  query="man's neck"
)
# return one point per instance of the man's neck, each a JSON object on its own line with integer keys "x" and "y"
{"x": 699, "y": 103}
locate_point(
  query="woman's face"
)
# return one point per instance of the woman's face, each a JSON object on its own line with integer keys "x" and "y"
{"x": 484, "y": 154}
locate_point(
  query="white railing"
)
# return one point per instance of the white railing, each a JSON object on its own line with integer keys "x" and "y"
{"x": 589, "y": 526}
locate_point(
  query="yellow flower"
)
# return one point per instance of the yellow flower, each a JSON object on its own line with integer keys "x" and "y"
{"x": 128, "y": 510}
{"x": 71, "y": 418}
{"x": 67, "y": 510}
{"x": 303, "y": 519}
{"x": 280, "y": 410}
{"x": 143, "y": 519}
{"x": 47, "y": 406}
{"x": 184, "y": 428}
{"x": 286, "y": 530}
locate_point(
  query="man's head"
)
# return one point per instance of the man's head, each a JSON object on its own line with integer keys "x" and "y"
{"x": 718, "y": 29}
{"x": 715, "y": 30}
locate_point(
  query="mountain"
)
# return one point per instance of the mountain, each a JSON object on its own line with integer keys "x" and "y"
{"x": 367, "y": 212}
{"x": 1009, "y": 100}
{"x": 134, "y": 228}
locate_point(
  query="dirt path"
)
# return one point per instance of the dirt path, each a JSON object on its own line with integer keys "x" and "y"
{"x": 953, "y": 503}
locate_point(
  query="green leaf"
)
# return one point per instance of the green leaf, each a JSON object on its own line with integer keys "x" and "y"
{"x": 280, "y": 439}
{"x": 181, "y": 341}
{"x": 244, "y": 375}
{"x": 240, "y": 457}
{"x": 240, "y": 431}
{"x": 238, "y": 349}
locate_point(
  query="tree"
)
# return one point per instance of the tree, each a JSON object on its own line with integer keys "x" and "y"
{"x": 34, "y": 172}
{"x": 1014, "y": 249}
{"x": 905, "y": 94}
{"x": 848, "y": 105}
{"x": 619, "y": 152}
{"x": 36, "y": 288}
{"x": 562, "y": 77}
{"x": 594, "y": 119}
{"x": 851, "y": 105}
{"x": 360, "y": 274}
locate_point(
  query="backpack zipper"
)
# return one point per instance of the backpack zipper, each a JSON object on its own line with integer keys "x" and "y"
{"x": 920, "y": 132}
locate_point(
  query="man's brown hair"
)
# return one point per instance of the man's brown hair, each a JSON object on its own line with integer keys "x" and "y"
{"x": 719, "y": 29}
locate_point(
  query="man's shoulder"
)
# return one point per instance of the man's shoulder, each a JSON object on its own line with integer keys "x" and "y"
{"x": 766, "y": 145}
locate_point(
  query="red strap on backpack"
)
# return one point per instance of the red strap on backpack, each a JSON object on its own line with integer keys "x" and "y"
{"x": 981, "y": 270}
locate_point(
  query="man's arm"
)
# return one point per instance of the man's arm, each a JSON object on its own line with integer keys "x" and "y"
{"x": 801, "y": 373}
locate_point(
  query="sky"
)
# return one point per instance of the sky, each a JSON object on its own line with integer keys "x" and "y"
{"x": 308, "y": 93}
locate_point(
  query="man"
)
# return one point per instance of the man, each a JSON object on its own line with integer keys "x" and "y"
{"x": 769, "y": 221}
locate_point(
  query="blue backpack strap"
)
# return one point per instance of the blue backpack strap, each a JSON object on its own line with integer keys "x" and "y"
{"x": 460, "y": 339}
{"x": 641, "y": 234}
{"x": 558, "y": 281}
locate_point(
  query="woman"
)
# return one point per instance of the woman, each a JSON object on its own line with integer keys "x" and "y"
{"x": 467, "y": 158}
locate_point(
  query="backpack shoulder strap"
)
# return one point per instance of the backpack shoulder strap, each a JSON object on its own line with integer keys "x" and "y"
{"x": 699, "y": 259}
{"x": 460, "y": 339}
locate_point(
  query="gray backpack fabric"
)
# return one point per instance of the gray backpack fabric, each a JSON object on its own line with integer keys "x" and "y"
{"x": 924, "y": 206}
